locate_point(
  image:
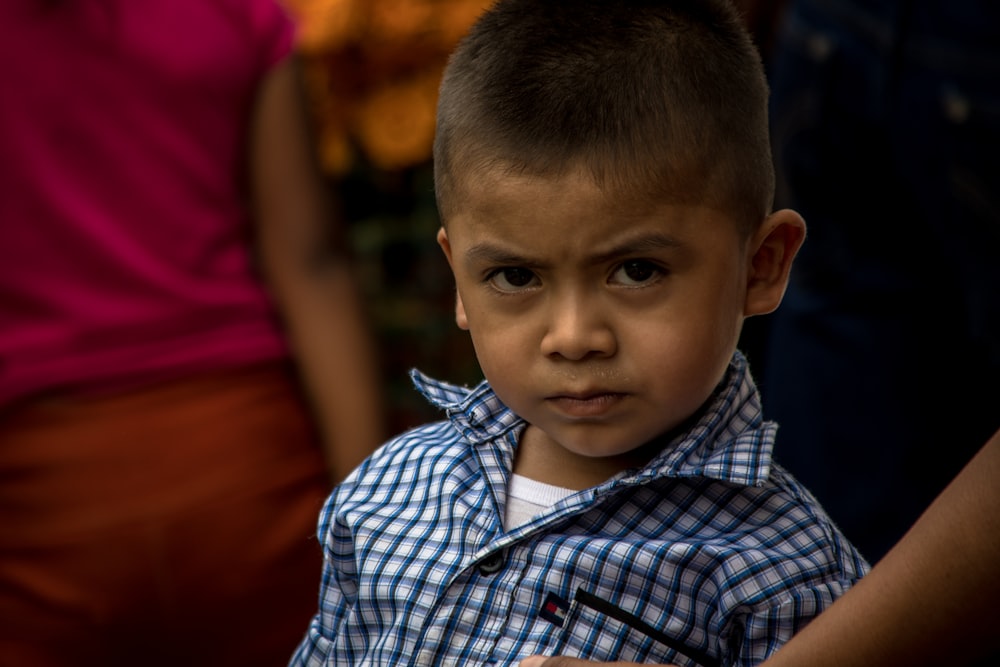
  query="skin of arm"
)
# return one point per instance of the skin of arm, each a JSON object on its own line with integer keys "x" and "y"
{"x": 307, "y": 265}
{"x": 930, "y": 601}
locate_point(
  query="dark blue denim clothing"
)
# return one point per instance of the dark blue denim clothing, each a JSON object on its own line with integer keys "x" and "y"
{"x": 882, "y": 365}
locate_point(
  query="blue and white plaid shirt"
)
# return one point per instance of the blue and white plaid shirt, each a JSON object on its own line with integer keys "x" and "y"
{"x": 709, "y": 555}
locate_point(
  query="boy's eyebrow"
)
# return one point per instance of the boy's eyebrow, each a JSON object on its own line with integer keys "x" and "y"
{"x": 491, "y": 254}
{"x": 645, "y": 243}
{"x": 639, "y": 245}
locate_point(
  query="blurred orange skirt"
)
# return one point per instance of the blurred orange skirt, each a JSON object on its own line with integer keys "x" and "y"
{"x": 173, "y": 525}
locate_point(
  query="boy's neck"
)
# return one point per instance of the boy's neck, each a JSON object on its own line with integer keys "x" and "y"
{"x": 539, "y": 458}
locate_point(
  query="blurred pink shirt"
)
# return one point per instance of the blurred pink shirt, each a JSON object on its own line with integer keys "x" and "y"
{"x": 125, "y": 238}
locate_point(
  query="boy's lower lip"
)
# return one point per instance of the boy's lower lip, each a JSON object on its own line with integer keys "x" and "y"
{"x": 586, "y": 406}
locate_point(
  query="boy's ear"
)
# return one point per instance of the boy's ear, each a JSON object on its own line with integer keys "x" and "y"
{"x": 772, "y": 247}
{"x": 460, "y": 319}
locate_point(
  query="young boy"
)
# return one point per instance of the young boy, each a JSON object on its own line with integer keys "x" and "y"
{"x": 604, "y": 181}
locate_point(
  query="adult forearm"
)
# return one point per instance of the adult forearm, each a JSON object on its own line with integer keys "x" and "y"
{"x": 306, "y": 261}
{"x": 932, "y": 599}
{"x": 335, "y": 352}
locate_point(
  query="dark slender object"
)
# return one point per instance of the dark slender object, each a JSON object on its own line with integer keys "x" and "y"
{"x": 636, "y": 623}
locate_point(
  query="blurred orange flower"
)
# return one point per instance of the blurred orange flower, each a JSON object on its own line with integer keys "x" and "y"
{"x": 373, "y": 68}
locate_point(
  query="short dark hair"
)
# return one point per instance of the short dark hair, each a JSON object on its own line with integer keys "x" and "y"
{"x": 665, "y": 99}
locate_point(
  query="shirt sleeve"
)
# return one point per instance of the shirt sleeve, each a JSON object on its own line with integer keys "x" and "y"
{"x": 334, "y": 596}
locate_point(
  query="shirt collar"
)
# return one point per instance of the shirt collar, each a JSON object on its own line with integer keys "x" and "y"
{"x": 728, "y": 440}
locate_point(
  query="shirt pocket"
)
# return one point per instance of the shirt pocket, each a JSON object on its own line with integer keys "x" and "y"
{"x": 597, "y": 629}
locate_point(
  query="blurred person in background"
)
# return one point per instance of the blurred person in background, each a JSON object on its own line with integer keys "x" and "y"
{"x": 881, "y": 365}
{"x": 185, "y": 362}
{"x": 372, "y": 69}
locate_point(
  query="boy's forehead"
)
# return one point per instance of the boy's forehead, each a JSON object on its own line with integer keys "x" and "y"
{"x": 574, "y": 212}
{"x": 497, "y": 191}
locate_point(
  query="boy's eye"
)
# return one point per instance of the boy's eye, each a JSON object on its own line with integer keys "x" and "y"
{"x": 636, "y": 272}
{"x": 511, "y": 279}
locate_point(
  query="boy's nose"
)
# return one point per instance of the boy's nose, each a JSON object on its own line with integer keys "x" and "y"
{"x": 576, "y": 332}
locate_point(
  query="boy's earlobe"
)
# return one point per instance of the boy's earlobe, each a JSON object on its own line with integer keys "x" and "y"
{"x": 773, "y": 247}
{"x": 460, "y": 318}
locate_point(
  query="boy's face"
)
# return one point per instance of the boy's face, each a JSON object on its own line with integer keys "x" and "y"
{"x": 603, "y": 325}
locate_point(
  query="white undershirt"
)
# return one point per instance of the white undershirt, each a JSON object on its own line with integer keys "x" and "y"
{"x": 527, "y": 498}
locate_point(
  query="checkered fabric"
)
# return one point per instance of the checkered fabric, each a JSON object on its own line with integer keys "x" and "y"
{"x": 709, "y": 555}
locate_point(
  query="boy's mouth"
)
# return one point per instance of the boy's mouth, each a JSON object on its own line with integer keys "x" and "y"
{"x": 590, "y": 404}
